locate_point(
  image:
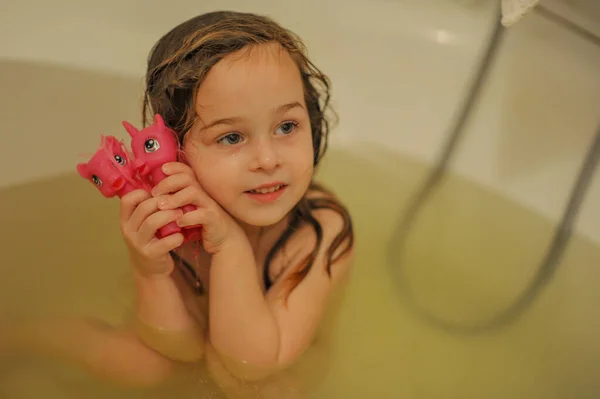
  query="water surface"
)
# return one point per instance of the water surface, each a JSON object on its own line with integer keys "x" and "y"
{"x": 469, "y": 254}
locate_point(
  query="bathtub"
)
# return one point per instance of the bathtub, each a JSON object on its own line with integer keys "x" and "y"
{"x": 400, "y": 70}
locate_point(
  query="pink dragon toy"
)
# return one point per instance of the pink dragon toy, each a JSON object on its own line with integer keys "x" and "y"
{"x": 115, "y": 172}
{"x": 152, "y": 147}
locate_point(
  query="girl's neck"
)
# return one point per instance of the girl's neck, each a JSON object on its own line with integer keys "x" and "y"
{"x": 255, "y": 234}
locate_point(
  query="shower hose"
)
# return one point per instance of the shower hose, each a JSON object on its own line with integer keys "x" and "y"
{"x": 556, "y": 248}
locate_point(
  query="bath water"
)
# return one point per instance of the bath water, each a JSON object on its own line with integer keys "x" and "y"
{"x": 468, "y": 255}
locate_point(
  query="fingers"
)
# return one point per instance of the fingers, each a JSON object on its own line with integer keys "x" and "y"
{"x": 190, "y": 195}
{"x": 141, "y": 213}
{"x": 173, "y": 183}
{"x": 178, "y": 174}
{"x": 154, "y": 222}
{"x": 200, "y": 216}
{"x": 171, "y": 168}
{"x": 156, "y": 248}
{"x": 130, "y": 201}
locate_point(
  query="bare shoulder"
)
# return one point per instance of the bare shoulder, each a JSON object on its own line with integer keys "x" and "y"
{"x": 314, "y": 276}
{"x": 336, "y": 229}
{"x": 326, "y": 236}
{"x": 329, "y": 210}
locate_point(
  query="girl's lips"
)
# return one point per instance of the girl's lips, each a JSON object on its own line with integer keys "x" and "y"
{"x": 268, "y": 186}
{"x": 267, "y": 193}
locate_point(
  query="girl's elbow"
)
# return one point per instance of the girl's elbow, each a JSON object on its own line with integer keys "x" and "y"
{"x": 183, "y": 346}
{"x": 186, "y": 351}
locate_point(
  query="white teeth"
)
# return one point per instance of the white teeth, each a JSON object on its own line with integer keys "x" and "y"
{"x": 266, "y": 190}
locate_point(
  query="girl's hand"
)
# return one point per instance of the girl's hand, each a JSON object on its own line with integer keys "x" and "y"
{"x": 140, "y": 219}
{"x": 181, "y": 188}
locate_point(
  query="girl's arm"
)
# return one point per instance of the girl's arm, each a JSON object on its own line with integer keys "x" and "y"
{"x": 245, "y": 327}
{"x": 163, "y": 321}
{"x": 249, "y": 330}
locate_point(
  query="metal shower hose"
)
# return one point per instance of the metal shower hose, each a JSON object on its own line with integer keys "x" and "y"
{"x": 554, "y": 253}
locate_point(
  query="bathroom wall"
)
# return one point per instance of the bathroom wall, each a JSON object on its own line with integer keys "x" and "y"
{"x": 72, "y": 70}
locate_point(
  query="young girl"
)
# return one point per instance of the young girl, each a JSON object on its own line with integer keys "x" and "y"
{"x": 248, "y": 107}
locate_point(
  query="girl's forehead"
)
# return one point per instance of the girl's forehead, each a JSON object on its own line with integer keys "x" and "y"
{"x": 263, "y": 75}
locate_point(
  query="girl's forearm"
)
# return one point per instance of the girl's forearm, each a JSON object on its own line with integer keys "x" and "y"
{"x": 163, "y": 321}
{"x": 160, "y": 303}
{"x": 242, "y": 328}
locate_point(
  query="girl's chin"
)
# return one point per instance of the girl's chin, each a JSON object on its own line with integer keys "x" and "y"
{"x": 261, "y": 221}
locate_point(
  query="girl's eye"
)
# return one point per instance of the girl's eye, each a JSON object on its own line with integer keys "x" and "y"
{"x": 287, "y": 127}
{"x": 230, "y": 139}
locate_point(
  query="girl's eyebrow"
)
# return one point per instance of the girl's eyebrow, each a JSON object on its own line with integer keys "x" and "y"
{"x": 224, "y": 121}
{"x": 286, "y": 107}
{"x": 236, "y": 119}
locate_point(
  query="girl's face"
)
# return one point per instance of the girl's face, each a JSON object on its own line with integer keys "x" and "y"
{"x": 251, "y": 145}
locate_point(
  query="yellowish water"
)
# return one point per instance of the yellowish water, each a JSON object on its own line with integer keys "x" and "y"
{"x": 470, "y": 253}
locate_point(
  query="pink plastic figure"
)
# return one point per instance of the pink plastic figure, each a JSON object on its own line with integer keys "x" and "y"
{"x": 110, "y": 169}
{"x": 152, "y": 147}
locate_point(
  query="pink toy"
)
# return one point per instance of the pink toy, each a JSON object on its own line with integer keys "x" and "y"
{"x": 152, "y": 147}
{"x": 110, "y": 169}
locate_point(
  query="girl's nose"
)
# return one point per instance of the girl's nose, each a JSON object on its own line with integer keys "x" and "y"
{"x": 266, "y": 157}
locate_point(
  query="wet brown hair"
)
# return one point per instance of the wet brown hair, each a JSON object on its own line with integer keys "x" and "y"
{"x": 179, "y": 62}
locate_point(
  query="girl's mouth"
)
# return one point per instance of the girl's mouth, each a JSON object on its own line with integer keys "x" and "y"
{"x": 266, "y": 190}
{"x": 267, "y": 193}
